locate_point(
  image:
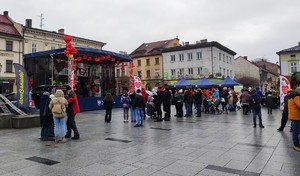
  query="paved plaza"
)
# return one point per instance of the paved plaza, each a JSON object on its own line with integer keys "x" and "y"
{"x": 210, "y": 145}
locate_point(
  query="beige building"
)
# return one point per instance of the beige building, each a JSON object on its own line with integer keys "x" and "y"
{"x": 10, "y": 52}
{"x": 289, "y": 60}
{"x": 243, "y": 67}
{"x": 148, "y": 61}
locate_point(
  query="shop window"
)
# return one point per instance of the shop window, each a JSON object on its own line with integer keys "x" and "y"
{"x": 9, "y": 45}
{"x": 9, "y": 65}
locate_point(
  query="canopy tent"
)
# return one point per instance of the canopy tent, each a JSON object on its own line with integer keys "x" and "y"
{"x": 228, "y": 82}
{"x": 182, "y": 83}
{"x": 205, "y": 83}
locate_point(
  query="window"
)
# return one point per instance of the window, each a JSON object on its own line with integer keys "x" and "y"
{"x": 156, "y": 73}
{"x": 181, "y": 57}
{"x": 220, "y": 70}
{"x": 33, "y": 48}
{"x": 220, "y": 56}
{"x": 9, "y": 45}
{"x": 173, "y": 72}
{"x": 148, "y": 73}
{"x": 227, "y": 72}
{"x": 293, "y": 67}
{"x": 190, "y": 56}
{"x": 181, "y": 71}
{"x": 172, "y": 58}
{"x": 200, "y": 70}
{"x": 223, "y": 57}
{"x": 191, "y": 71}
{"x": 139, "y": 63}
{"x": 223, "y": 71}
{"x": 157, "y": 61}
{"x": 139, "y": 73}
{"x": 230, "y": 61}
{"x": 227, "y": 59}
{"x": 9, "y": 65}
{"x": 231, "y": 73}
{"x": 199, "y": 55}
{"x": 52, "y": 47}
{"x": 147, "y": 62}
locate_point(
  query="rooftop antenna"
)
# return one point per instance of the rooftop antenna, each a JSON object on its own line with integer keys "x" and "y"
{"x": 42, "y": 18}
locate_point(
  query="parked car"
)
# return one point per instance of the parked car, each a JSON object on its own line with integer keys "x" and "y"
{"x": 12, "y": 97}
{"x": 38, "y": 92}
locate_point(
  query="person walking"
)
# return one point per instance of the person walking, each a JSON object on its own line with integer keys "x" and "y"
{"x": 72, "y": 110}
{"x": 125, "y": 100}
{"x": 108, "y": 104}
{"x": 167, "y": 96}
{"x": 269, "y": 102}
{"x": 256, "y": 108}
{"x": 46, "y": 117}
{"x": 294, "y": 116}
{"x": 198, "y": 101}
{"x": 58, "y": 108}
{"x": 139, "y": 104}
{"x": 284, "y": 117}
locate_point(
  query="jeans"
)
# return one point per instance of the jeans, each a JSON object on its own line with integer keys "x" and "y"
{"x": 59, "y": 123}
{"x": 133, "y": 117}
{"x": 198, "y": 107}
{"x": 71, "y": 125}
{"x": 257, "y": 111}
{"x": 138, "y": 115}
{"x": 188, "y": 108}
{"x": 296, "y": 128}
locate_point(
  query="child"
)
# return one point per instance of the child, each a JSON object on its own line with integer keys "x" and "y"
{"x": 125, "y": 100}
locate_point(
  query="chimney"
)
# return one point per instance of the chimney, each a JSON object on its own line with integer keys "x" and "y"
{"x": 186, "y": 43}
{"x": 245, "y": 57}
{"x": 28, "y": 23}
{"x": 61, "y": 31}
{"x": 5, "y": 13}
{"x": 203, "y": 41}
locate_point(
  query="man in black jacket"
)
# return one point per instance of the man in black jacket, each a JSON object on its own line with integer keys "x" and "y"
{"x": 167, "y": 104}
{"x": 157, "y": 103}
{"x": 256, "y": 100}
{"x": 138, "y": 103}
{"x": 198, "y": 101}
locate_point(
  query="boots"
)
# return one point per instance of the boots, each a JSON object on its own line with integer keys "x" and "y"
{"x": 63, "y": 140}
{"x": 76, "y": 136}
{"x": 68, "y": 135}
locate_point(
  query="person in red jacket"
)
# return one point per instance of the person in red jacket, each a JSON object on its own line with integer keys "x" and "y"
{"x": 72, "y": 110}
{"x": 145, "y": 96}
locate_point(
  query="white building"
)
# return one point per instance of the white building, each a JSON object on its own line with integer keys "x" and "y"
{"x": 244, "y": 67}
{"x": 194, "y": 61}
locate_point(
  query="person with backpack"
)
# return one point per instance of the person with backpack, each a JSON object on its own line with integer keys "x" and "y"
{"x": 255, "y": 100}
{"x": 108, "y": 104}
{"x": 72, "y": 110}
{"x": 58, "y": 108}
{"x": 125, "y": 100}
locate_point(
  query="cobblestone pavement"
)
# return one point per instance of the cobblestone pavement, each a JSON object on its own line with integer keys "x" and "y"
{"x": 210, "y": 145}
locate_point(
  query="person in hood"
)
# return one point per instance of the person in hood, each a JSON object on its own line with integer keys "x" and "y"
{"x": 72, "y": 110}
{"x": 59, "y": 114}
{"x": 45, "y": 116}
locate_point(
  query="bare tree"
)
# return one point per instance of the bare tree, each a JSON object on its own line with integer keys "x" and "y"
{"x": 248, "y": 81}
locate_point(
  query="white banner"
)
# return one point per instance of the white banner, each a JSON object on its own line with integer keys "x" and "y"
{"x": 137, "y": 83}
{"x": 285, "y": 85}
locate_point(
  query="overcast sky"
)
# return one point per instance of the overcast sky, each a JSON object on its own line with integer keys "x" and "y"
{"x": 253, "y": 28}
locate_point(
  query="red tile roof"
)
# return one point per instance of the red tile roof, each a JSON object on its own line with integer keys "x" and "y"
{"x": 7, "y": 27}
{"x": 150, "y": 49}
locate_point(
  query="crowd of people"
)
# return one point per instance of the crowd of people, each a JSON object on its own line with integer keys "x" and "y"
{"x": 157, "y": 105}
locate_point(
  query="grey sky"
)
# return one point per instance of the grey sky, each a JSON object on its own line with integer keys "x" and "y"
{"x": 253, "y": 28}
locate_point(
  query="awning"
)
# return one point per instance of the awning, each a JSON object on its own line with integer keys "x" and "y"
{"x": 90, "y": 52}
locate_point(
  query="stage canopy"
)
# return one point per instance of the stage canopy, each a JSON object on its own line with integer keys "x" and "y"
{"x": 205, "y": 83}
{"x": 88, "y": 52}
{"x": 228, "y": 82}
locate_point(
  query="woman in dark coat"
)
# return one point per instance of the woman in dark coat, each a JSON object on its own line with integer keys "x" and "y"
{"x": 45, "y": 115}
{"x": 108, "y": 104}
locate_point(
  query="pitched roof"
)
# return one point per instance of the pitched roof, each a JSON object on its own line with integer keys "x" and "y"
{"x": 150, "y": 49}
{"x": 200, "y": 45}
{"x": 290, "y": 50}
{"x": 7, "y": 27}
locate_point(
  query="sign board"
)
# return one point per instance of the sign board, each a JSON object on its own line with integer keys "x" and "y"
{"x": 285, "y": 85}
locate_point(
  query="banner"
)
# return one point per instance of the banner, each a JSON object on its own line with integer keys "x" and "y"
{"x": 22, "y": 86}
{"x": 285, "y": 85}
{"x": 137, "y": 83}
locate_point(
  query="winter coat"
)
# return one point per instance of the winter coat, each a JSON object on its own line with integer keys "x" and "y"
{"x": 132, "y": 96}
{"x": 255, "y": 100}
{"x": 294, "y": 106}
{"x": 225, "y": 95}
{"x": 138, "y": 101}
{"x": 269, "y": 101}
{"x": 245, "y": 97}
{"x": 188, "y": 97}
{"x": 43, "y": 103}
{"x": 125, "y": 100}
{"x": 59, "y": 98}
{"x": 145, "y": 95}
{"x": 47, "y": 114}
{"x": 73, "y": 107}
{"x": 198, "y": 98}
{"x": 180, "y": 97}
{"x": 108, "y": 104}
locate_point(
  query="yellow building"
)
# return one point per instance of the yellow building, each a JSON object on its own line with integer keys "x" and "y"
{"x": 148, "y": 61}
{"x": 289, "y": 60}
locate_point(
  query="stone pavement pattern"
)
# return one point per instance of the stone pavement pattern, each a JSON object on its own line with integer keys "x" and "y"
{"x": 211, "y": 145}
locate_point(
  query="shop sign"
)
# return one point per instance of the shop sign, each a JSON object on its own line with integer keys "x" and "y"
{"x": 7, "y": 54}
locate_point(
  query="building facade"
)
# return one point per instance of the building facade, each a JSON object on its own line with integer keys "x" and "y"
{"x": 148, "y": 61}
{"x": 244, "y": 68}
{"x": 289, "y": 60}
{"x": 10, "y": 52}
{"x": 194, "y": 61}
